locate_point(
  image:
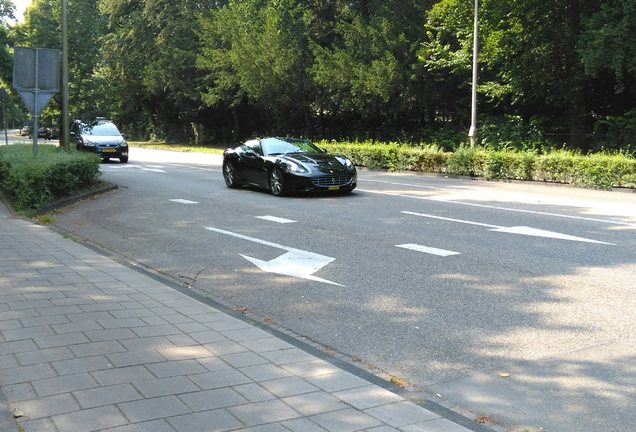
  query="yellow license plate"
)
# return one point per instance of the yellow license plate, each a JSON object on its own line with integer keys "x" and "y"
{"x": 334, "y": 188}
{"x": 109, "y": 150}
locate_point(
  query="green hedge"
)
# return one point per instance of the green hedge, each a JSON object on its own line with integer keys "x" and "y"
{"x": 599, "y": 170}
{"x": 34, "y": 182}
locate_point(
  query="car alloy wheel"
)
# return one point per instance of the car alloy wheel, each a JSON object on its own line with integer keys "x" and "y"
{"x": 276, "y": 182}
{"x": 229, "y": 175}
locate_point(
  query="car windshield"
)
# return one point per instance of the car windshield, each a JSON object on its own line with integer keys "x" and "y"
{"x": 100, "y": 129}
{"x": 274, "y": 146}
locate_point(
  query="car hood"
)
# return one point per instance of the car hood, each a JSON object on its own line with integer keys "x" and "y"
{"x": 325, "y": 163}
{"x": 104, "y": 140}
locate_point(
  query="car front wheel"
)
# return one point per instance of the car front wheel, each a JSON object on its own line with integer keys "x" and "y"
{"x": 277, "y": 182}
{"x": 229, "y": 174}
{"x": 123, "y": 159}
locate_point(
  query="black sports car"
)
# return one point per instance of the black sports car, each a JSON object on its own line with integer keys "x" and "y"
{"x": 287, "y": 165}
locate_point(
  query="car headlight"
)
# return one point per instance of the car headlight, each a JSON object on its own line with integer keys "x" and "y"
{"x": 346, "y": 162}
{"x": 124, "y": 144}
{"x": 295, "y": 167}
{"x": 87, "y": 143}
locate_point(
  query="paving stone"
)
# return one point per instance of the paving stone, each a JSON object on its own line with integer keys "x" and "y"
{"x": 225, "y": 347}
{"x": 17, "y": 347}
{"x": 152, "y": 409}
{"x": 263, "y": 412}
{"x": 10, "y": 324}
{"x": 47, "y": 406}
{"x": 150, "y": 426}
{"x": 383, "y": 429}
{"x": 122, "y": 375}
{"x": 44, "y": 320}
{"x": 218, "y": 379}
{"x": 181, "y": 340}
{"x": 64, "y": 384}
{"x": 213, "y": 364}
{"x": 271, "y": 427}
{"x": 265, "y": 372}
{"x": 401, "y": 414}
{"x": 314, "y": 403}
{"x": 136, "y": 357}
{"x": 185, "y": 352}
{"x": 9, "y": 360}
{"x": 60, "y": 340}
{"x": 348, "y": 420}
{"x": 285, "y": 356}
{"x": 209, "y": 421}
{"x": 266, "y": 344}
{"x": 40, "y": 425}
{"x": 27, "y": 333}
{"x": 112, "y": 334}
{"x": 147, "y": 343}
{"x": 245, "y": 334}
{"x": 191, "y": 327}
{"x": 254, "y": 392}
{"x": 176, "y": 368}
{"x": 337, "y": 381}
{"x": 437, "y": 425}
{"x": 166, "y": 386}
{"x": 311, "y": 368}
{"x": 113, "y": 323}
{"x": 208, "y": 336}
{"x": 212, "y": 399}
{"x": 157, "y": 330}
{"x": 90, "y": 420}
{"x": 302, "y": 425}
{"x": 84, "y": 364}
{"x": 97, "y": 348}
{"x": 244, "y": 359}
{"x": 77, "y": 326}
{"x": 29, "y": 304}
{"x": 26, "y": 373}
{"x": 289, "y": 386}
{"x": 19, "y": 392}
{"x": 367, "y": 397}
{"x": 109, "y": 395}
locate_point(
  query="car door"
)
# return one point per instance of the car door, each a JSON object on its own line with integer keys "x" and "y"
{"x": 253, "y": 163}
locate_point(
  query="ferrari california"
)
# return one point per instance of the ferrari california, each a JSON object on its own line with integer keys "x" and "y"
{"x": 286, "y": 166}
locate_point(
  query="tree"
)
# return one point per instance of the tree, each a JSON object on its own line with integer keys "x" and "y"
{"x": 257, "y": 52}
{"x": 369, "y": 71}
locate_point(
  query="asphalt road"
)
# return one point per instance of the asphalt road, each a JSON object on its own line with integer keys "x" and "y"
{"x": 507, "y": 300}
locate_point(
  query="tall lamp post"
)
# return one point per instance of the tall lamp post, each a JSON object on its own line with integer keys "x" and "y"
{"x": 472, "y": 133}
{"x": 65, "y": 111}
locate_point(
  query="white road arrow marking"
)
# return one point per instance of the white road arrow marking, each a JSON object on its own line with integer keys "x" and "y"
{"x": 295, "y": 262}
{"x": 183, "y": 201}
{"x": 427, "y": 249}
{"x": 275, "y": 219}
{"x": 522, "y": 230}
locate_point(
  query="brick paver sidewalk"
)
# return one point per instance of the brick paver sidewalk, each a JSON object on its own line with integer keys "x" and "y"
{"x": 88, "y": 344}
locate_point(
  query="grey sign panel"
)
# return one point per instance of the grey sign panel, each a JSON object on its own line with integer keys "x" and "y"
{"x": 36, "y": 69}
{"x": 35, "y": 102}
{"x": 36, "y": 76}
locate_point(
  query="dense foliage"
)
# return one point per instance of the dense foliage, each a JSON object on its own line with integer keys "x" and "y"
{"x": 33, "y": 183}
{"x": 221, "y": 70}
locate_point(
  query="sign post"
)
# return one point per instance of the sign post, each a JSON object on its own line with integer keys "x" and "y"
{"x": 36, "y": 76}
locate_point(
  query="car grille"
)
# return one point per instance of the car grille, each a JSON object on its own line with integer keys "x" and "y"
{"x": 327, "y": 181}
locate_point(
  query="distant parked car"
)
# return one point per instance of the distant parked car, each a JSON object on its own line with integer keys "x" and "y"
{"x": 43, "y": 132}
{"x": 101, "y": 137}
{"x": 25, "y": 130}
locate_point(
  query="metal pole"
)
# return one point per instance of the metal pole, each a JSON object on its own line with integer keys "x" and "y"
{"x": 472, "y": 133}
{"x": 65, "y": 110}
{"x": 36, "y": 92}
{"x": 4, "y": 116}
